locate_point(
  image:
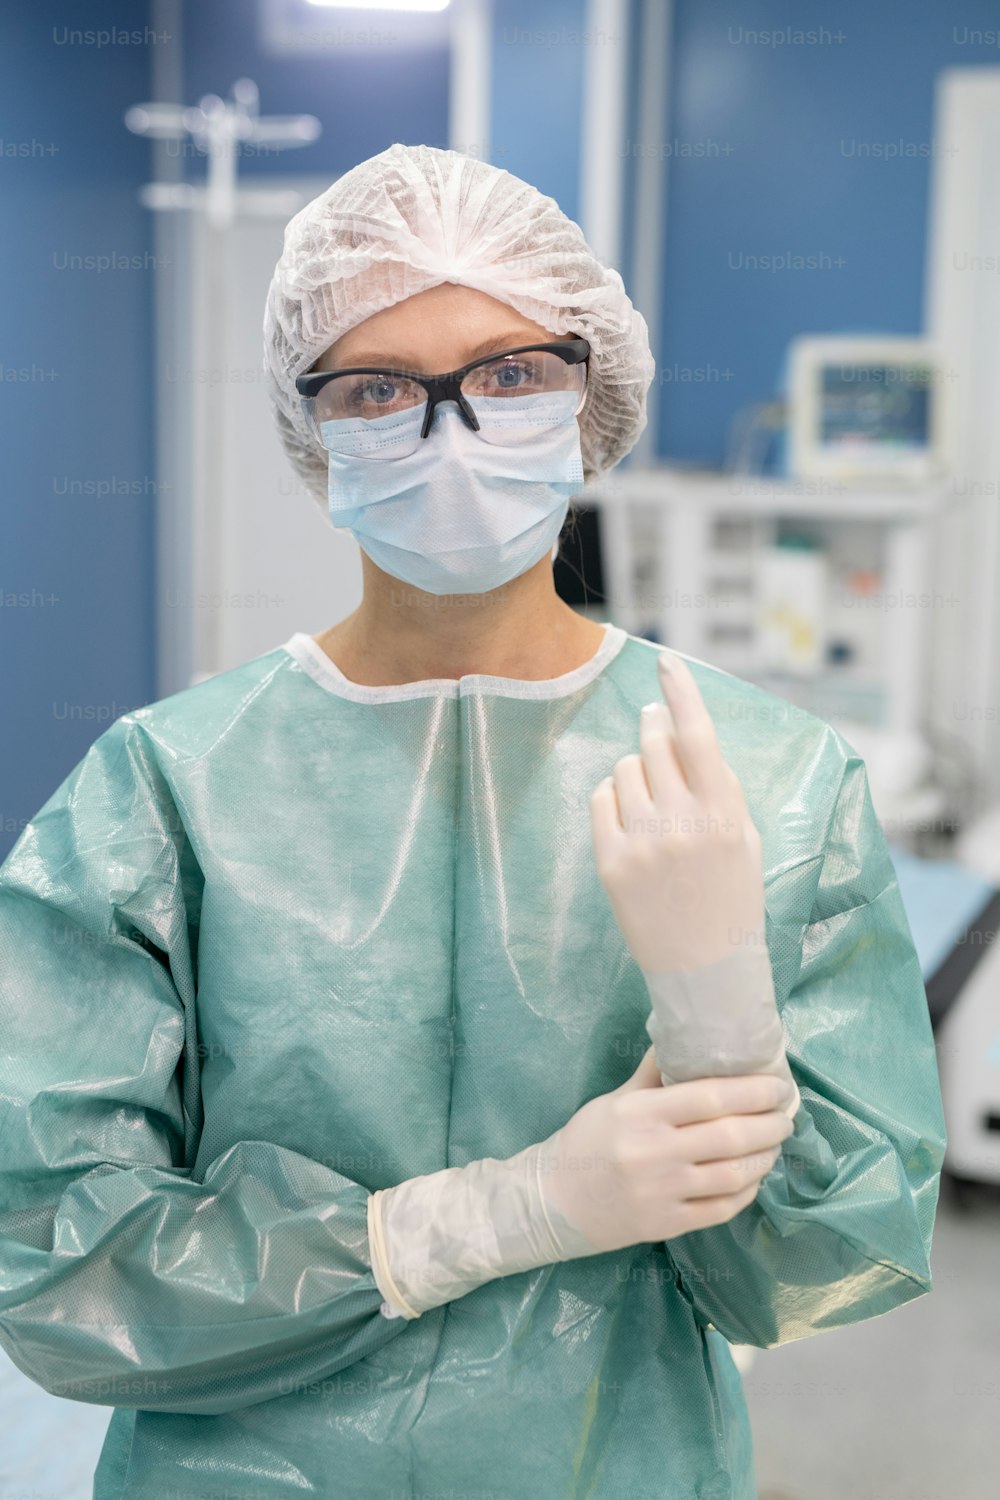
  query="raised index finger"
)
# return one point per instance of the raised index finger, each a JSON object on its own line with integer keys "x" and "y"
{"x": 695, "y": 742}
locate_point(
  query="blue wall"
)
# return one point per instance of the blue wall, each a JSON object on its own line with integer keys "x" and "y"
{"x": 781, "y": 129}
{"x": 76, "y": 553}
{"x": 537, "y": 84}
{"x": 365, "y": 99}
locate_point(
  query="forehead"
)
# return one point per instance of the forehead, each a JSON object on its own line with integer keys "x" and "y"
{"x": 440, "y": 328}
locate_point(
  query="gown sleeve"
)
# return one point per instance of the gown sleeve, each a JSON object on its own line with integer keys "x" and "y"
{"x": 124, "y": 1279}
{"x": 841, "y": 1227}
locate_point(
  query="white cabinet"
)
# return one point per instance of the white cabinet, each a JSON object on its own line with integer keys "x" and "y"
{"x": 685, "y": 557}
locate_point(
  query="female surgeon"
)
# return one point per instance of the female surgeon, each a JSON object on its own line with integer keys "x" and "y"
{"x": 335, "y": 1155}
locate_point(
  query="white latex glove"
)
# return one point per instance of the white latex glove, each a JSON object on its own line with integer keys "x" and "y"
{"x": 640, "y": 1163}
{"x": 681, "y": 861}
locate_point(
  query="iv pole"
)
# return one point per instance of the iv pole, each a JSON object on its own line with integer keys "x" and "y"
{"x": 218, "y": 129}
{"x": 217, "y": 126}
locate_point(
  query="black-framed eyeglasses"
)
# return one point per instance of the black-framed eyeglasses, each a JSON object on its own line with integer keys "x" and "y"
{"x": 507, "y": 398}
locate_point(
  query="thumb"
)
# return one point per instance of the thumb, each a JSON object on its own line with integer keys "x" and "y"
{"x": 646, "y": 1075}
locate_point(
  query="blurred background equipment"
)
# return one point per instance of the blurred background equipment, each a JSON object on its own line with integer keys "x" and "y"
{"x": 866, "y": 410}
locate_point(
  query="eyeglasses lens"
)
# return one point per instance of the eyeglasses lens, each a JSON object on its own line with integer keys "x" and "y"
{"x": 514, "y": 397}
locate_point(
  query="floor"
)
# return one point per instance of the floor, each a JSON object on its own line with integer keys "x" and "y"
{"x": 903, "y": 1407}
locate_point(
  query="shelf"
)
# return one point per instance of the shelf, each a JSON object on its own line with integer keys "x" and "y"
{"x": 749, "y": 494}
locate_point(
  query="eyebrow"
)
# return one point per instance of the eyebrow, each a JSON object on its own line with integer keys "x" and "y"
{"x": 490, "y": 346}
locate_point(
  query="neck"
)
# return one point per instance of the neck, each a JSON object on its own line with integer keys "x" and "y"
{"x": 399, "y": 634}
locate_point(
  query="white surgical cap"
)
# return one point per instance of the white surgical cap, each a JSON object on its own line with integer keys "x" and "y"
{"x": 415, "y": 216}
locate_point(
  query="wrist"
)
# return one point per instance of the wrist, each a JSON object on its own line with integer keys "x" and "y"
{"x": 719, "y": 1019}
{"x": 394, "y": 1304}
{"x": 436, "y": 1237}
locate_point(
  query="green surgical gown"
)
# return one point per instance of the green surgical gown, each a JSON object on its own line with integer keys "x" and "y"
{"x": 280, "y": 940}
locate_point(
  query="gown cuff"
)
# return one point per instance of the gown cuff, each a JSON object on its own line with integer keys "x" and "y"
{"x": 394, "y": 1304}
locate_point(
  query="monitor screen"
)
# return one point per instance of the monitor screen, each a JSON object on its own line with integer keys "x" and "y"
{"x": 875, "y": 407}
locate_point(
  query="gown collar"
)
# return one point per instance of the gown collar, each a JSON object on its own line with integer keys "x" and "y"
{"x": 322, "y": 670}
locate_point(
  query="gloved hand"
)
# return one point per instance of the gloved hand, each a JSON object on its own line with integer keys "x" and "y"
{"x": 639, "y": 1163}
{"x": 681, "y": 861}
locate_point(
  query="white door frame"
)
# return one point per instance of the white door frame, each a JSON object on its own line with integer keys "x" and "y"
{"x": 962, "y": 297}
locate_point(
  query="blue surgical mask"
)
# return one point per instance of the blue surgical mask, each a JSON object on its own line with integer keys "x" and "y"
{"x": 460, "y": 515}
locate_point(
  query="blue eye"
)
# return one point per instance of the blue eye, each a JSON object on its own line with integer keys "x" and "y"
{"x": 367, "y": 396}
{"x": 377, "y": 389}
{"x": 504, "y": 376}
